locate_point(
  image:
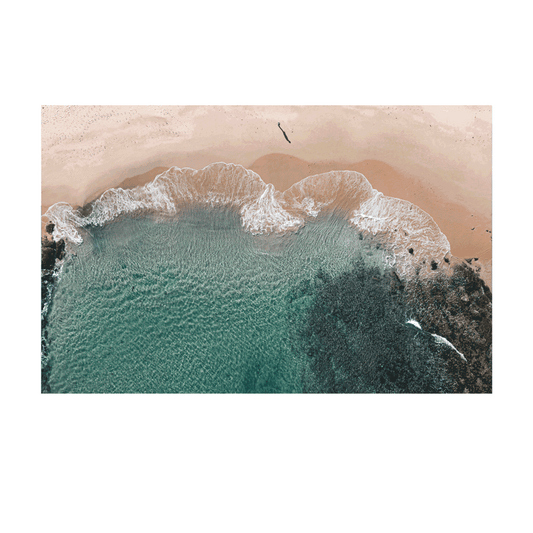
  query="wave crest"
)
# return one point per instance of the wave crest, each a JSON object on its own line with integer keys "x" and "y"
{"x": 266, "y": 214}
{"x": 404, "y": 226}
{"x": 400, "y": 224}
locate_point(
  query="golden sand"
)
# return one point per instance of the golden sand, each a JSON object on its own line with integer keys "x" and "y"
{"x": 438, "y": 158}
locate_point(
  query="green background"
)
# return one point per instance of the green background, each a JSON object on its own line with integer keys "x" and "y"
{"x": 261, "y": 474}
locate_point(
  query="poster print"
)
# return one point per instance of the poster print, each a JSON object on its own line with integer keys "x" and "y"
{"x": 261, "y": 249}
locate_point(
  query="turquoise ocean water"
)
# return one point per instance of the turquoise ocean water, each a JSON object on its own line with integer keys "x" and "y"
{"x": 191, "y": 304}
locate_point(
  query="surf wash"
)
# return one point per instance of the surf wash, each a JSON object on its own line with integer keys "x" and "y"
{"x": 400, "y": 224}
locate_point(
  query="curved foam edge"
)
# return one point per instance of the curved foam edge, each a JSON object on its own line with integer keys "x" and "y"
{"x": 438, "y": 339}
{"x": 405, "y": 226}
{"x": 398, "y": 223}
{"x": 266, "y": 214}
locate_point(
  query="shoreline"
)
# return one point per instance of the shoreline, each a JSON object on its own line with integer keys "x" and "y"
{"x": 453, "y": 219}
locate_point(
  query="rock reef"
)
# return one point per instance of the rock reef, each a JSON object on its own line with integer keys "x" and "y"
{"x": 51, "y": 253}
{"x": 358, "y": 338}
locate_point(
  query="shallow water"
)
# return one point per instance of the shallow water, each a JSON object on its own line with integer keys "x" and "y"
{"x": 195, "y": 304}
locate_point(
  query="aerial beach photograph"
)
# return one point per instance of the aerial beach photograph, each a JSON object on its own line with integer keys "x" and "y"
{"x": 266, "y": 249}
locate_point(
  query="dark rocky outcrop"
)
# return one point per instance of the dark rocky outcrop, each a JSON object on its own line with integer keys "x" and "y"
{"x": 51, "y": 252}
{"x": 459, "y": 308}
{"x": 356, "y": 338}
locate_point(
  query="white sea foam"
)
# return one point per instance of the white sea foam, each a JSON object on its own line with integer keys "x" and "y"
{"x": 111, "y": 204}
{"x": 309, "y": 206}
{"x": 66, "y": 222}
{"x": 404, "y": 226}
{"x": 438, "y": 338}
{"x": 442, "y": 340}
{"x": 266, "y": 214}
{"x": 399, "y": 224}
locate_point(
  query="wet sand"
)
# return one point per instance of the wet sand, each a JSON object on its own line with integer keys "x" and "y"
{"x": 437, "y": 158}
{"x": 455, "y": 220}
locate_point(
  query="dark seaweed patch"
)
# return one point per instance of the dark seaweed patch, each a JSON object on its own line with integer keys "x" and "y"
{"x": 284, "y": 134}
{"x": 356, "y": 340}
{"x": 355, "y": 337}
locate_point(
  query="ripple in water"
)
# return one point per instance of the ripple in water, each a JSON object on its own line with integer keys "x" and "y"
{"x": 226, "y": 285}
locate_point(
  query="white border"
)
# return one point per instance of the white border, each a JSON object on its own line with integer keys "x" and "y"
{"x": 499, "y": 403}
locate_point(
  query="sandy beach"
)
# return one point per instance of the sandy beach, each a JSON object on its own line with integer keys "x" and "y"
{"x": 438, "y": 158}
{"x": 286, "y": 250}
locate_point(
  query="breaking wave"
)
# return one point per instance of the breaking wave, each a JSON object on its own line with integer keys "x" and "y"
{"x": 411, "y": 236}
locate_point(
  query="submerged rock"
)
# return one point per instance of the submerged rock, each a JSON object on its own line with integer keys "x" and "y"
{"x": 357, "y": 340}
{"x": 51, "y": 252}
